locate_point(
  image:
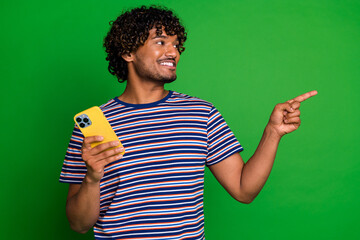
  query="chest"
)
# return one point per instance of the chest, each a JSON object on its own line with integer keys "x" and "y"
{"x": 160, "y": 141}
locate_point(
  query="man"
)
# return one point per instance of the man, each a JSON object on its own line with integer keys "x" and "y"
{"x": 155, "y": 191}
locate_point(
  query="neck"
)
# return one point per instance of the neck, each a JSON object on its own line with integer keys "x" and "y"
{"x": 142, "y": 93}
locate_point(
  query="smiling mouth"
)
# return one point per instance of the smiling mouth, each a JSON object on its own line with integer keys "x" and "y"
{"x": 168, "y": 64}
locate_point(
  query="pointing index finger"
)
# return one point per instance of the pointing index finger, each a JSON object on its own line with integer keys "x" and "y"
{"x": 305, "y": 96}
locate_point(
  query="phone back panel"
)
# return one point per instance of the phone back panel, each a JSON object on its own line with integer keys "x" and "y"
{"x": 93, "y": 123}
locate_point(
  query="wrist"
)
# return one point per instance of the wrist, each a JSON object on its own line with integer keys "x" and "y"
{"x": 272, "y": 133}
{"x": 90, "y": 181}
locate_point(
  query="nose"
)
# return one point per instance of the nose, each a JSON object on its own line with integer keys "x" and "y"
{"x": 171, "y": 51}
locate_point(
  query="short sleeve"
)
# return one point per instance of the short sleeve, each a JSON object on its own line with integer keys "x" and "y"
{"x": 74, "y": 168}
{"x": 221, "y": 140}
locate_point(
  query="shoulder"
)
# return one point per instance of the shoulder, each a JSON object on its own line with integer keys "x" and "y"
{"x": 111, "y": 106}
{"x": 177, "y": 97}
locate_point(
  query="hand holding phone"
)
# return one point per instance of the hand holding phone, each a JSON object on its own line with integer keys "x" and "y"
{"x": 92, "y": 122}
{"x": 96, "y": 158}
{"x": 101, "y": 145}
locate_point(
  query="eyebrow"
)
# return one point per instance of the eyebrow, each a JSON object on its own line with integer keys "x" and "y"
{"x": 161, "y": 36}
{"x": 164, "y": 37}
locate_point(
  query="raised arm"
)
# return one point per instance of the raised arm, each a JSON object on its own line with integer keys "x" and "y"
{"x": 245, "y": 181}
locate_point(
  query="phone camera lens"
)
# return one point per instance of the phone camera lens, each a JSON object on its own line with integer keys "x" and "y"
{"x": 82, "y": 125}
{"x": 78, "y": 119}
{"x": 86, "y": 120}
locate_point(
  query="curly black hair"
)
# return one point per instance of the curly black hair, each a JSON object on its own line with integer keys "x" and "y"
{"x": 130, "y": 31}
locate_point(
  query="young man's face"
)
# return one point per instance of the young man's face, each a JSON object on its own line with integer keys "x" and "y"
{"x": 157, "y": 59}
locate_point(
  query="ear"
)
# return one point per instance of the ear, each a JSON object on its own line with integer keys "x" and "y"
{"x": 128, "y": 57}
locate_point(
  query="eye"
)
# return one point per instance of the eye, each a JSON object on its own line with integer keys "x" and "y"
{"x": 160, "y": 42}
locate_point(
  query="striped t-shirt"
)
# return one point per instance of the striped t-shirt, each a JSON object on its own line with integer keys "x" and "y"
{"x": 156, "y": 190}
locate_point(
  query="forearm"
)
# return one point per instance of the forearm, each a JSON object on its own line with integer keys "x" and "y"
{"x": 83, "y": 208}
{"x": 257, "y": 169}
{"x": 245, "y": 181}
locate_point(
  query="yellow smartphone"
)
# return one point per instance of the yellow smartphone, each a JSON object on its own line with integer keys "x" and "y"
{"x": 92, "y": 122}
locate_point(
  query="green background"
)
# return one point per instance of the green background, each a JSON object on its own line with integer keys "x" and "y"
{"x": 243, "y": 56}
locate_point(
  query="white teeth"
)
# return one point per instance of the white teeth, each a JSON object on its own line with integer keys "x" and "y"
{"x": 167, "y": 64}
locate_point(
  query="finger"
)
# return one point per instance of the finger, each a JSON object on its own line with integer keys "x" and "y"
{"x": 112, "y": 159}
{"x": 284, "y": 108}
{"x": 102, "y": 147}
{"x": 296, "y": 113}
{"x": 305, "y": 96}
{"x": 290, "y": 101}
{"x": 293, "y": 120}
{"x": 295, "y": 105}
{"x": 88, "y": 140}
{"x": 288, "y": 108}
{"x": 108, "y": 153}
